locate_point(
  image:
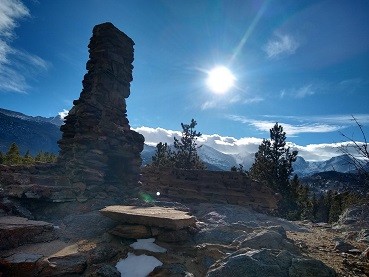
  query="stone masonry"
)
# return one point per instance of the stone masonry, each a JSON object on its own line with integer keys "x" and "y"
{"x": 98, "y": 148}
{"x": 191, "y": 186}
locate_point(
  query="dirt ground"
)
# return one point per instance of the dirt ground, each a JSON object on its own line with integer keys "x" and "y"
{"x": 319, "y": 243}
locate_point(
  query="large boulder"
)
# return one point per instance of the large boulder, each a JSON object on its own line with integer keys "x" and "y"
{"x": 266, "y": 262}
{"x": 355, "y": 217}
{"x": 270, "y": 239}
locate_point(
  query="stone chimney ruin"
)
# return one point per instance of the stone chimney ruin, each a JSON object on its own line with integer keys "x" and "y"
{"x": 99, "y": 151}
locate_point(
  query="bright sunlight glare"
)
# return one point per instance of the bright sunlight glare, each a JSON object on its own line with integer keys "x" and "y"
{"x": 220, "y": 79}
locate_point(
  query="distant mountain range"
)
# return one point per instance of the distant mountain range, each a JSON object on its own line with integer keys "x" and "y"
{"x": 216, "y": 160}
{"x": 41, "y": 134}
{"x": 322, "y": 182}
{"x": 29, "y": 133}
{"x": 56, "y": 120}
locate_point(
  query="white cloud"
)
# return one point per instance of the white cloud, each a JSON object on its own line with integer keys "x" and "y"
{"x": 291, "y": 130}
{"x": 230, "y": 99}
{"x": 243, "y": 146}
{"x": 15, "y": 65}
{"x": 63, "y": 114}
{"x": 281, "y": 45}
{"x": 324, "y": 151}
{"x": 303, "y": 91}
{"x": 253, "y": 100}
{"x": 297, "y": 129}
{"x": 210, "y": 104}
{"x": 340, "y": 119}
{"x": 10, "y": 11}
{"x": 155, "y": 135}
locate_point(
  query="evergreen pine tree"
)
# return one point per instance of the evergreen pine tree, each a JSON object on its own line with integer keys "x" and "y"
{"x": 39, "y": 156}
{"x": 186, "y": 156}
{"x": 273, "y": 166}
{"x": 335, "y": 209}
{"x": 13, "y": 157}
{"x": 45, "y": 157}
{"x": 27, "y": 158}
{"x": 292, "y": 199}
{"x": 314, "y": 201}
{"x": 50, "y": 157}
{"x": 306, "y": 205}
{"x": 163, "y": 156}
{"x": 2, "y": 158}
{"x": 273, "y": 161}
{"x": 322, "y": 208}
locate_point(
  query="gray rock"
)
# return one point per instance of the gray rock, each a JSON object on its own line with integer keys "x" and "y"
{"x": 105, "y": 270}
{"x": 19, "y": 263}
{"x": 168, "y": 218}
{"x": 354, "y": 217}
{"x": 363, "y": 236}
{"x": 173, "y": 270}
{"x": 309, "y": 268}
{"x": 16, "y": 231}
{"x": 218, "y": 234}
{"x": 239, "y": 216}
{"x": 131, "y": 231}
{"x": 342, "y": 246}
{"x": 65, "y": 265}
{"x": 102, "y": 253}
{"x": 268, "y": 239}
{"x": 89, "y": 225}
{"x": 174, "y": 236}
{"x": 251, "y": 263}
{"x": 365, "y": 255}
{"x": 266, "y": 262}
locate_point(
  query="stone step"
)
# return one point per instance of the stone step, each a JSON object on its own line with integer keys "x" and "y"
{"x": 16, "y": 231}
{"x": 46, "y": 193}
{"x": 150, "y": 216}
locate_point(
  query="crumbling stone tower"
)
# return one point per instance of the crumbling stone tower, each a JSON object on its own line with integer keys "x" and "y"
{"x": 99, "y": 151}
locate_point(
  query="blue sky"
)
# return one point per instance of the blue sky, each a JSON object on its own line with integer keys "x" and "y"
{"x": 304, "y": 64}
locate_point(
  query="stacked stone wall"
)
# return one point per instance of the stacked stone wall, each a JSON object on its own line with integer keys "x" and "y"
{"x": 207, "y": 186}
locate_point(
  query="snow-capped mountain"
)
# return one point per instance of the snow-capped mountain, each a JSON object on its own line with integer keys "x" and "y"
{"x": 245, "y": 159}
{"x": 342, "y": 163}
{"x": 147, "y": 154}
{"x": 215, "y": 158}
{"x": 56, "y": 120}
{"x": 29, "y": 133}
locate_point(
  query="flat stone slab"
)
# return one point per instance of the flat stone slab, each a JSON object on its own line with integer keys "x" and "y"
{"x": 16, "y": 231}
{"x": 168, "y": 218}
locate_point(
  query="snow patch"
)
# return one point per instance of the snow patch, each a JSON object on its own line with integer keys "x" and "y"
{"x": 148, "y": 244}
{"x": 137, "y": 266}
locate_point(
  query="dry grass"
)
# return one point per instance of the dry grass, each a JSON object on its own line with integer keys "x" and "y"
{"x": 319, "y": 243}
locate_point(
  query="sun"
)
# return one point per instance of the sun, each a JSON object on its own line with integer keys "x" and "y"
{"x": 220, "y": 79}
